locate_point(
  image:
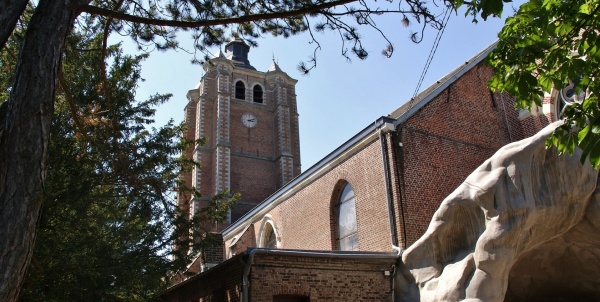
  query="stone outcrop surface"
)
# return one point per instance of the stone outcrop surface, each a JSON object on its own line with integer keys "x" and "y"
{"x": 524, "y": 226}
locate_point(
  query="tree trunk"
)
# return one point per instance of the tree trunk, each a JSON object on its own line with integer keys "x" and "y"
{"x": 24, "y": 140}
{"x": 10, "y": 10}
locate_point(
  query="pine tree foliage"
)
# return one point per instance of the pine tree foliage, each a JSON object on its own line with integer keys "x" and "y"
{"x": 153, "y": 24}
{"x": 110, "y": 224}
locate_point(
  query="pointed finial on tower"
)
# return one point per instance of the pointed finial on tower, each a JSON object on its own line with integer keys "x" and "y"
{"x": 274, "y": 66}
{"x": 219, "y": 53}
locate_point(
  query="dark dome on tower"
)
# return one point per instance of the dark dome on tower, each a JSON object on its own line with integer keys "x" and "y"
{"x": 237, "y": 51}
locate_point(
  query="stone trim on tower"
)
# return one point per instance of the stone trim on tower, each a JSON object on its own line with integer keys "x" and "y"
{"x": 190, "y": 118}
{"x": 222, "y": 154}
{"x": 197, "y": 147}
{"x": 295, "y": 132}
{"x": 285, "y": 161}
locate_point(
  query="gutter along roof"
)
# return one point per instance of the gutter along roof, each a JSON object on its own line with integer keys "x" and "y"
{"x": 365, "y": 136}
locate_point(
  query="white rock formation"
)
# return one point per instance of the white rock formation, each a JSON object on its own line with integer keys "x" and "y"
{"x": 524, "y": 226}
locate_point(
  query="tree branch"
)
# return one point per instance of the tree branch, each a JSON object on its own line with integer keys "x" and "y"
{"x": 11, "y": 11}
{"x": 202, "y": 23}
{"x": 104, "y": 79}
{"x": 69, "y": 97}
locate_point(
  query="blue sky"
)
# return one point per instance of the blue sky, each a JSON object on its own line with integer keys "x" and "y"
{"x": 338, "y": 98}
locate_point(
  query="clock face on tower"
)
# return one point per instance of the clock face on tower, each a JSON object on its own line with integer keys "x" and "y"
{"x": 249, "y": 120}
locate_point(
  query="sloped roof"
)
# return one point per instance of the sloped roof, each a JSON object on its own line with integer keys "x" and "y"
{"x": 413, "y": 105}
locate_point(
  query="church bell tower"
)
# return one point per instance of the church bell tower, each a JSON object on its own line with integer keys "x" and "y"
{"x": 250, "y": 120}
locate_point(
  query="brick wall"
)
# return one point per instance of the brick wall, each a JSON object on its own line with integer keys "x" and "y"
{"x": 321, "y": 279}
{"x": 245, "y": 241}
{"x": 213, "y": 254}
{"x": 308, "y": 218}
{"x": 532, "y": 122}
{"x": 445, "y": 141}
{"x": 317, "y": 275}
{"x": 253, "y": 168}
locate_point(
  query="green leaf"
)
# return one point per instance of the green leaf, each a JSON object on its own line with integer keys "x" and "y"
{"x": 585, "y": 9}
{"x": 491, "y": 8}
{"x": 581, "y": 135}
{"x": 589, "y": 103}
{"x": 571, "y": 143}
{"x": 595, "y": 156}
{"x": 545, "y": 83}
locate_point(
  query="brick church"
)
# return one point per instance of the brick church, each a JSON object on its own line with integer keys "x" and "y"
{"x": 335, "y": 231}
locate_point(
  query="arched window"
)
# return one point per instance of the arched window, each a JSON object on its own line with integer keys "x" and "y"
{"x": 347, "y": 230}
{"x": 240, "y": 90}
{"x": 257, "y": 93}
{"x": 269, "y": 238}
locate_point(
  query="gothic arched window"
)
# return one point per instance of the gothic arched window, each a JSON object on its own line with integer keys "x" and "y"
{"x": 269, "y": 238}
{"x": 240, "y": 90}
{"x": 347, "y": 230}
{"x": 257, "y": 92}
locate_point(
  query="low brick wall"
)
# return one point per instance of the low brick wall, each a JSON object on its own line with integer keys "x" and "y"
{"x": 314, "y": 275}
{"x": 322, "y": 278}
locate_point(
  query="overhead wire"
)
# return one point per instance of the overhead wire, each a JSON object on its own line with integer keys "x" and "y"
{"x": 432, "y": 52}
